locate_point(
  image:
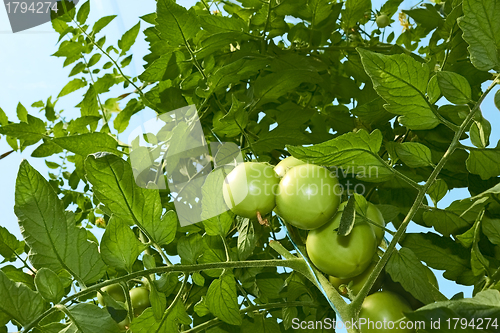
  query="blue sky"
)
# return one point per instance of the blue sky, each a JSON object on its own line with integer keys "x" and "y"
{"x": 30, "y": 74}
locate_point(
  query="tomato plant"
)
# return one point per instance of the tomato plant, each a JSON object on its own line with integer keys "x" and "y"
{"x": 251, "y": 188}
{"x": 342, "y": 256}
{"x": 402, "y": 118}
{"x": 308, "y": 196}
{"x": 384, "y": 307}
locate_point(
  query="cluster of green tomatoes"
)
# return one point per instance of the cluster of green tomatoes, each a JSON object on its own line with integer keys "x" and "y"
{"x": 139, "y": 299}
{"x": 307, "y": 196}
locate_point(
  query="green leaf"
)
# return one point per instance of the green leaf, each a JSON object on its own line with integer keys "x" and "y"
{"x": 119, "y": 245}
{"x": 114, "y": 185}
{"x": 94, "y": 59}
{"x": 402, "y": 82}
{"x": 164, "y": 68}
{"x": 246, "y": 238}
{"x": 71, "y": 50}
{"x": 413, "y": 154}
{"x": 481, "y": 30}
{"x": 190, "y": 248}
{"x": 217, "y": 24}
{"x": 88, "y": 143}
{"x": 442, "y": 253}
{"x": 122, "y": 120}
{"x": 456, "y": 218}
{"x": 354, "y": 152}
{"x": 454, "y": 87}
{"x": 201, "y": 308}
{"x": 222, "y": 301}
{"x": 18, "y": 301}
{"x": 390, "y": 7}
{"x": 89, "y": 107}
{"x": 158, "y": 302}
{"x": 354, "y": 12}
{"x": 484, "y": 304}
{"x": 496, "y": 100}
{"x": 32, "y": 131}
{"x": 22, "y": 113}
{"x": 198, "y": 279}
{"x": 51, "y": 233}
{"x": 348, "y": 217}
{"x": 89, "y": 318}
{"x": 175, "y": 23}
{"x": 83, "y": 13}
{"x": 437, "y": 191}
{"x": 433, "y": 90}
{"x": 80, "y": 125}
{"x": 3, "y": 118}
{"x": 104, "y": 83}
{"x": 213, "y": 251}
{"x": 290, "y": 119}
{"x": 236, "y": 114}
{"x": 102, "y": 23}
{"x": 484, "y": 162}
{"x": 50, "y": 112}
{"x": 17, "y": 275}
{"x": 49, "y": 285}
{"x": 59, "y": 26}
{"x": 72, "y": 86}
{"x": 147, "y": 323}
{"x": 404, "y": 267}
{"x": 8, "y": 244}
{"x": 216, "y": 219}
{"x": 270, "y": 87}
{"x": 128, "y": 38}
{"x": 491, "y": 228}
{"x": 46, "y": 149}
{"x": 480, "y": 131}
{"x": 169, "y": 222}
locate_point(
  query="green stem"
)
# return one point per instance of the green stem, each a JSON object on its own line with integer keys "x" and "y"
{"x": 356, "y": 304}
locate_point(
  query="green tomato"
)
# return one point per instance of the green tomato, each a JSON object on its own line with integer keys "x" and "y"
{"x": 250, "y": 188}
{"x": 359, "y": 281}
{"x": 115, "y": 291}
{"x": 124, "y": 324}
{"x": 381, "y": 308}
{"x": 308, "y": 196}
{"x": 371, "y": 212}
{"x": 282, "y": 167}
{"x": 382, "y": 21}
{"x": 139, "y": 298}
{"x": 396, "y": 287}
{"x": 342, "y": 256}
